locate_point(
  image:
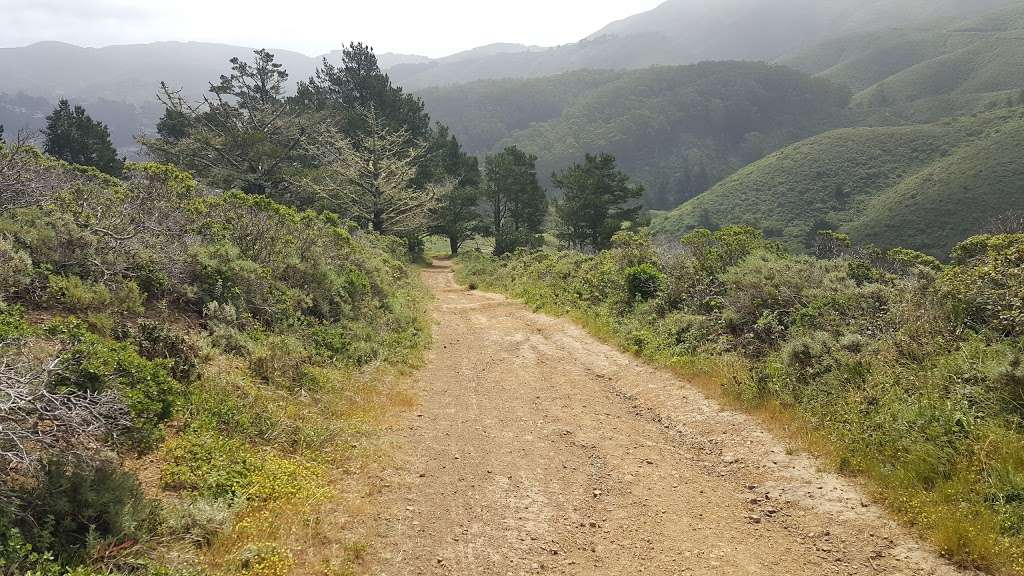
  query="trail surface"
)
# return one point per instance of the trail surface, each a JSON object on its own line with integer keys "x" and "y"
{"x": 537, "y": 449}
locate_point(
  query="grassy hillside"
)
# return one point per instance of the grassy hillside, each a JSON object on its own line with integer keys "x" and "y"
{"x": 923, "y": 187}
{"x": 930, "y": 70}
{"x": 675, "y": 129}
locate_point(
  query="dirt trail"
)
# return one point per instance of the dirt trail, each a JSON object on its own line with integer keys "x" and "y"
{"x": 537, "y": 449}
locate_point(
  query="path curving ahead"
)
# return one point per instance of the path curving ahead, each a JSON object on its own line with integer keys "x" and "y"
{"x": 536, "y": 449}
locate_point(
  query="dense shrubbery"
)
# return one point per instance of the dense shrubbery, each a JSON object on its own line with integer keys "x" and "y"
{"x": 128, "y": 304}
{"x": 912, "y": 369}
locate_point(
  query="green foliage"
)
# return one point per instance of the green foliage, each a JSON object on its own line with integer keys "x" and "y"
{"x": 643, "y": 282}
{"x": 244, "y": 134}
{"x": 162, "y": 275}
{"x": 597, "y": 199}
{"x": 985, "y": 287}
{"x": 75, "y": 295}
{"x": 283, "y": 362}
{"x": 15, "y": 268}
{"x": 458, "y": 216}
{"x": 356, "y": 85}
{"x": 159, "y": 342}
{"x": 516, "y": 201}
{"x": 77, "y": 507}
{"x": 95, "y": 364}
{"x": 72, "y": 136}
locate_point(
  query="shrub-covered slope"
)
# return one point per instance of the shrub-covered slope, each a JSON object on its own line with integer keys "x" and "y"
{"x": 675, "y": 129}
{"x": 923, "y": 187}
{"x": 909, "y": 372}
{"x": 214, "y": 335}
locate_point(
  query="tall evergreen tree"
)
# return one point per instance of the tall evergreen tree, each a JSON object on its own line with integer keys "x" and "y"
{"x": 244, "y": 134}
{"x": 457, "y": 215}
{"x": 517, "y": 201}
{"x": 597, "y": 198}
{"x": 74, "y": 137}
{"x": 357, "y": 84}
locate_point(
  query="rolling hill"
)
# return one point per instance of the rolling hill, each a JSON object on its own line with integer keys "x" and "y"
{"x": 930, "y": 71}
{"x": 924, "y": 187}
{"x": 676, "y": 129}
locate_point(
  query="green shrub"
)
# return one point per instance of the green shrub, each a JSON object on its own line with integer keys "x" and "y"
{"x": 199, "y": 520}
{"x": 75, "y": 507}
{"x": 96, "y": 364}
{"x": 17, "y": 556}
{"x": 905, "y": 261}
{"x": 231, "y": 340}
{"x": 13, "y": 327}
{"x": 767, "y": 290}
{"x": 810, "y": 356}
{"x": 76, "y": 295}
{"x": 986, "y": 285}
{"x": 281, "y": 361}
{"x": 15, "y": 268}
{"x": 158, "y": 341}
{"x": 643, "y": 282}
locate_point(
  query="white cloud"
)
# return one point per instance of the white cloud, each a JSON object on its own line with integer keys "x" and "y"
{"x": 433, "y": 28}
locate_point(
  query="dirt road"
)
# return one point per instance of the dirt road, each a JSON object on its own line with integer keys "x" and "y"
{"x": 537, "y": 449}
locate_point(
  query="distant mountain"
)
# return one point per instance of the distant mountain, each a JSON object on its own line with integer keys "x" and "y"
{"x": 927, "y": 73}
{"x": 117, "y": 84}
{"x": 130, "y": 73}
{"x": 924, "y": 187}
{"x": 676, "y": 129}
{"x": 690, "y": 31}
{"x": 389, "y": 59}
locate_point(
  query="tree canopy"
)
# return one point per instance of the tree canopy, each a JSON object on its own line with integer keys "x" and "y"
{"x": 73, "y": 136}
{"x": 517, "y": 202}
{"x": 597, "y": 198}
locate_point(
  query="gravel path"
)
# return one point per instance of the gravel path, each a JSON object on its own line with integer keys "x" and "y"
{"x": 537, "y": 449}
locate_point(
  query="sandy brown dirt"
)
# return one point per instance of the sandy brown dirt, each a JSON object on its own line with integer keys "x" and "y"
{"x": 537, "y": 449}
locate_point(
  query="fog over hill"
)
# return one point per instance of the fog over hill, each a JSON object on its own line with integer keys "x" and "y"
{"x": 118, "y": 84}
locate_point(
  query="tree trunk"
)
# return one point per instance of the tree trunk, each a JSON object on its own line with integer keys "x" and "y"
{"x": 453, "y": 243}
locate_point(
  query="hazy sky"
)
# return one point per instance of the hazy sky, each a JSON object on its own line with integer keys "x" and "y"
{"x": 429, "y": 27}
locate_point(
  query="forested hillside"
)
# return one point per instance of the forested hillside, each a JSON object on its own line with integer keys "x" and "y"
{"x": 675, "y": 129}
{"x": 925, "y": 187}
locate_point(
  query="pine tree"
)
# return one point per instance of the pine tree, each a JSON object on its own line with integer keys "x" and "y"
{"x": 244, "y": 134}
{"x": 71, "y": 135}
{"x": 597, "y": 198}
{"x": 518, "y": 202}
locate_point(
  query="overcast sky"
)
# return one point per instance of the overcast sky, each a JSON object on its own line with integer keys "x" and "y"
{"x": 428, "y": 27}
